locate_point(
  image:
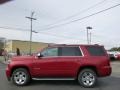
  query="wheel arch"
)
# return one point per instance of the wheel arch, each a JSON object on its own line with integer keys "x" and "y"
{"x": 87, "y": 67}
{"x": 20, "y": 66}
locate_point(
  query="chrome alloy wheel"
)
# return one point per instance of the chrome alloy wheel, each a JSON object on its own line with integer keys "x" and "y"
{"x": 88, "y": 79}
{"x": 20, "y": 77}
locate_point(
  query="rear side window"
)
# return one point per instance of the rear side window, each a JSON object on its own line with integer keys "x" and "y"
{"x": 96, "y": 50}
{"x": 69, "y": 51}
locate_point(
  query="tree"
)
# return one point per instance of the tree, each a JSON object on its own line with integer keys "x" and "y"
{"x": 1, "y": 45}
{"x": 115, "y": 49}
{"x": 118, "y": 48}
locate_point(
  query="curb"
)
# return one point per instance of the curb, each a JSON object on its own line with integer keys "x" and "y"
{"x": 3, "y": 62}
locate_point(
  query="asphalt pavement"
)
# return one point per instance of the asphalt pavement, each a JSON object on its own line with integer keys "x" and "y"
{"x": 108, "y": 83}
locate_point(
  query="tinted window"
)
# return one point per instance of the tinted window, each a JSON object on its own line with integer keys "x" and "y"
{"x": 50, "y": 52}
{"x": 69, "y": 51}
{"x": 96, "y": 51}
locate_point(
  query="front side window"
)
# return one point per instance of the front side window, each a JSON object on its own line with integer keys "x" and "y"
{"x": 50, "y": 52}
{"x": 69, "y": 51}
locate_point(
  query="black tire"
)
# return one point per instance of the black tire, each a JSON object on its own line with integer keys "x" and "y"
{"x": 20, "y": 77}
{"x": 87, "y": 78}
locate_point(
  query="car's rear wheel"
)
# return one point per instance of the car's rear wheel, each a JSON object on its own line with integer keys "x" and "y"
{"x": 20, "y": 77}
{"x": 87, "y": 78}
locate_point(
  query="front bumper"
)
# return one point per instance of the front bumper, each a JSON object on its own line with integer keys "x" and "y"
{"x": 8, "y": 74}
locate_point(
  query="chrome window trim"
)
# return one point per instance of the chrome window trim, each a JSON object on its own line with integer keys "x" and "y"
{"x": 66, "y": 56}
{"x": 81, "y": 52}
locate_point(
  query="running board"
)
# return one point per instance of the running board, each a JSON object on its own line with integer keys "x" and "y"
{"x": 53, "y": 78}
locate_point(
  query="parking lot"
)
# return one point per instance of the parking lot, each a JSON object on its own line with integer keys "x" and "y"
{"x": 107, "y": 83}
{"x": 59, "y": 39}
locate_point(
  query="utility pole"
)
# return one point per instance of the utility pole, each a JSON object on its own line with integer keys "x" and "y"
{"x": 87, "y": 37}
{"x": 31, "y": 30}
{"x": 88, "y": 40}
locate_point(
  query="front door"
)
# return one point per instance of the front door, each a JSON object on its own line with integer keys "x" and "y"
{"x": 46, "y": 65}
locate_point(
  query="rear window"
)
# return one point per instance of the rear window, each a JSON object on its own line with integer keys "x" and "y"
{"x": 96, "y": 50}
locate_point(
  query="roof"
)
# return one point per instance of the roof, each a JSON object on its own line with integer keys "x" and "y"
{"x": 58, "y": 45}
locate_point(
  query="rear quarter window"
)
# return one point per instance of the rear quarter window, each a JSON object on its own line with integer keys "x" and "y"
{"x": 96, "y": 50}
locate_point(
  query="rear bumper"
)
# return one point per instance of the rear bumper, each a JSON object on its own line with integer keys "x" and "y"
{"x": 105, "y": 71}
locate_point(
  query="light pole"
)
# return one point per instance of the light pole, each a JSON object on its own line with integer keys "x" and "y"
{"x": 88, "y": 40}
{"x": 31, "y": 19}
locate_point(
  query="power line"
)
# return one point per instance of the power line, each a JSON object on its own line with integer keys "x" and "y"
{"x": 6, "y": 27}
{"x": 45, "y": 33}
{"x": 67, "y": 22}
{"x": 61, "y": 36}
{"x": 59, "y": 25}
{"x": 74, "y": 15}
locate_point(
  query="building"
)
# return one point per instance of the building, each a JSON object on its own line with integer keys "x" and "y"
{"x": 12, "y": 45}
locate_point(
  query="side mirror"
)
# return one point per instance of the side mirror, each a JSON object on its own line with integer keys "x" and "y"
{"x": 39, "y": 55}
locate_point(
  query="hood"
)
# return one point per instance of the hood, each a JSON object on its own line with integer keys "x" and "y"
{"x": 23, "y": 58}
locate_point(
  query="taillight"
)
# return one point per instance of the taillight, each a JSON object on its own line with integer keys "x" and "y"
{"x": 108, "y": 61}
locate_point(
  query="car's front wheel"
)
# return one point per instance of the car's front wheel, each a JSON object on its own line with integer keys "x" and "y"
{"x": 87, "y": 78}
{"x": 20, "y": 77}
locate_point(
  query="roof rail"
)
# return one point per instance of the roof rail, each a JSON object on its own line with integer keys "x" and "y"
{"x": 96, "y": 44}
{"x": 55, "y": 44}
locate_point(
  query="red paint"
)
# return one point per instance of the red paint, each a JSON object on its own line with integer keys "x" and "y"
{"x": 61, "y": 66}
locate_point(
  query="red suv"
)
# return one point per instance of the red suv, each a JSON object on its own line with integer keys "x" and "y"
{"x": 84, "y": 63}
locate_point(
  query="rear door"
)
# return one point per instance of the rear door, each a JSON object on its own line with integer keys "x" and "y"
{"x": 67, "y": 62}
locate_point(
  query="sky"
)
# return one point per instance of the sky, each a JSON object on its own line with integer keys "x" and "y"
{"x": 52, "y": 16}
